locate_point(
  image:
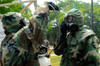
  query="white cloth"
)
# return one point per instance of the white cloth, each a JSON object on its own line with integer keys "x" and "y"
{"x": 44, "y": 61}
{"x": 2, "y": 35}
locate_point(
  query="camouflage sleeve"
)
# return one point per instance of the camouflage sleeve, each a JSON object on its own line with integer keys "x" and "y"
{"x": 58, "y": 48}
{"x": 91, "y": 55}
{"x": 38, "y": 23}
{"x": 35, "y": 32}
{"x": 37, "y": 28}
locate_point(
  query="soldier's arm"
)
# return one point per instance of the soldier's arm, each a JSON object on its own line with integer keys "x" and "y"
{"x": 39, "y": 20}
{"x": 60, "y": 46}
{"x": 37, "y": 28}
{"x": 91, "y": 54}
{"x": 38, "y": 23}
{"x": 35, "y": 32}
{"x": 62, "y": 41}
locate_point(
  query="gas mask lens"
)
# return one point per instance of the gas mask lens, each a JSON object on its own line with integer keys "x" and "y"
{"x": 69, "y": 18}
{"x": 72, "y": 27}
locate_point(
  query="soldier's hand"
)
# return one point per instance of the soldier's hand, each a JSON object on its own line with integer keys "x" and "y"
{"x": 47, "y": 55}
{"x": 63, "y": 29}
{"x": 52, "y": 5}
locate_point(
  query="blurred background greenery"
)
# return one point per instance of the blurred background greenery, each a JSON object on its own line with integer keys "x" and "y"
{"x": 64, "y": 6}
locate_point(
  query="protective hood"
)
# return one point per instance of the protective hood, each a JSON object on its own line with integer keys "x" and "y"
{"x": 84, "y": 32}
{"x": 77, "y": 16}
{"x": 11, "y": 21}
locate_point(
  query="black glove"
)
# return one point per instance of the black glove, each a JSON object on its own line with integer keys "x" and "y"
{"x": 73, "y": 28}
{"x": 51, "y": 5}
{"x": 63, "y": 28}
{"x": 47, "y": 55}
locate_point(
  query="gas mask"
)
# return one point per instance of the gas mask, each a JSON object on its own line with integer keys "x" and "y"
{"x": 71, "y": 26}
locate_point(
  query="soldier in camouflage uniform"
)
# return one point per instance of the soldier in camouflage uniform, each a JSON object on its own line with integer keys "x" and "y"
{"x": 12, "y": 22}
{"x": 21, "y": 48}
{"x": 78, "y": 45}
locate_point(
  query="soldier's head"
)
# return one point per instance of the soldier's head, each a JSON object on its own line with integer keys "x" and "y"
{"x": 12, "y": 22}
{"x": 74, "y": 16}
{"x": 74, "y": 19}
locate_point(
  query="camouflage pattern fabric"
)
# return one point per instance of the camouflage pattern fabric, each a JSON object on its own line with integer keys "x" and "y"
{"x": 39, "y": 23}
{"x": 4, "y": 42}
{"x": 77, "y": 16}
{"x": 80, "y": 49}
{"x": 19, "y": 51}
{"x": 11, "y": 21}
{"x": 79, "y": 53}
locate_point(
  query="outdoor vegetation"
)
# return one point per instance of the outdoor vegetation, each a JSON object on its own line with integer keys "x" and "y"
{"x": 14, "y": 8}
{"x": 64, "y": 6}
{"x": 55, "y": 60}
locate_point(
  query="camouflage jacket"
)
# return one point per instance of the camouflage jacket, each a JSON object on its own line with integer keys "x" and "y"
{"x": 3, "y": 43}
{"x": 21, "y": 49}
{"x": 79, "y": 50}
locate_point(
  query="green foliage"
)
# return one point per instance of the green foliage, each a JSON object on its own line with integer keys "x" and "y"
{"x": 66, "y": 5}
{"x": 14, "y": 8}
{"x": 61, "y": 15}
{"x": 55, "y": 60}
{"x": 6, "y": 9}
{"x": 27, "y": 13}
{"x": 50, "y": 27}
